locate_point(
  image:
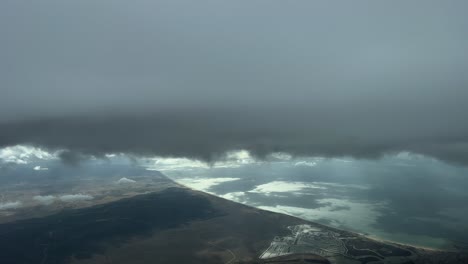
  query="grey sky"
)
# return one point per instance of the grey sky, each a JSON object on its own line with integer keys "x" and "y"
{"x": 197, "y": 78}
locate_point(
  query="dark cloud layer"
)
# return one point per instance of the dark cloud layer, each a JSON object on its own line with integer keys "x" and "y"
{"x": 209, "y": 136}
{"x": 183, "y": 78}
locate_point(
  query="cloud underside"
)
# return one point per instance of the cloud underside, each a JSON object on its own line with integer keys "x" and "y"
{"x": 209, "y": 137}
{"x": 198, "y": 79}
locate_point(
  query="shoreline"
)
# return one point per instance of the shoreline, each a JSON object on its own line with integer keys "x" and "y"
{"x": 367, "y": 236}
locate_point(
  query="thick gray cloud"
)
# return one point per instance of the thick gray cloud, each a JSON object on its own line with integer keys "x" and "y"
{"x": 185, "y": 78}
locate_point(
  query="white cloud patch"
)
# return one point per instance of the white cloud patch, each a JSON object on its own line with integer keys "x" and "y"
{"x": 125, "y": 181}
{"x": 203, "y": 184}
{"x": 39, "y": 168}
{"x": 69, "y": 198}
{"x": 45, "y": 199}
{"x": 24, "y": 154}
{"x": 298, "y": 187}
{"x": 234, "y": 196}
{"x": 171, "y": 164}
{"x": 11, "y": 205}
{"x": 283, "y": 186}
{"x": 306, "y": 163}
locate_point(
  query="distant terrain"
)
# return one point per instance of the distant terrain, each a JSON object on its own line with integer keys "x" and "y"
{"x": 164, "y": 222}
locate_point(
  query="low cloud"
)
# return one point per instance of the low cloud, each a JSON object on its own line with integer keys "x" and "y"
{"x": 125, "y": 181}
{"x": 24, "y": 154}
{"x": 306, "y": 163}
{"x": 69, "y": 198}
{"x": 39, "y": 168}
{"x": 234, "y": 196}
{"x": 45, "y": 199}
{"x": 284, "y": 186}
{"x": 204, "y": 184}
{"x": 215, "y": 134}
{"x": 10, "y": 205}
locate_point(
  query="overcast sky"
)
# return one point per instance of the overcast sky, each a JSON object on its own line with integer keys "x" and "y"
{"x": 197, "y": 78}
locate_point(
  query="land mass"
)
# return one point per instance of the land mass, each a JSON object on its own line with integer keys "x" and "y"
{"x": 173, "y": 224}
